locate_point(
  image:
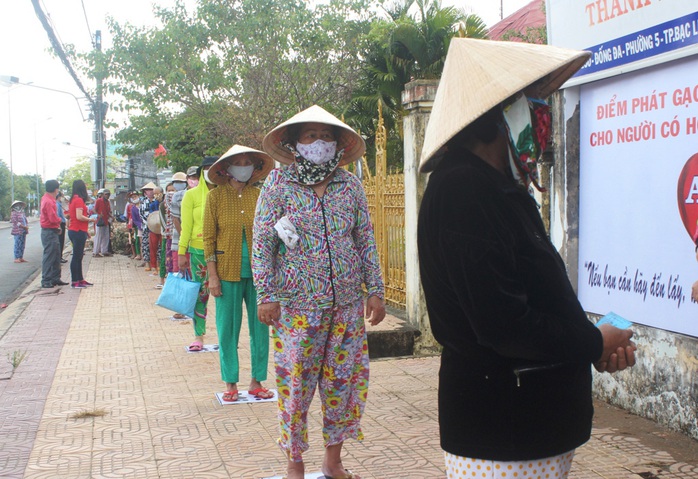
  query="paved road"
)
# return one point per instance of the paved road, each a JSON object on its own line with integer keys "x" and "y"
{"x": 13, "y": 276}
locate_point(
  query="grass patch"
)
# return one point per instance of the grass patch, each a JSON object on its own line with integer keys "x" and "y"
{"x": 85, "y": 414}
{"x": 17, "y": 357}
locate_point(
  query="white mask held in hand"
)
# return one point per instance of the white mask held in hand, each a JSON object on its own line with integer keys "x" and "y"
{"x": 318, "y": 152}
{"x": 241, "y": 173}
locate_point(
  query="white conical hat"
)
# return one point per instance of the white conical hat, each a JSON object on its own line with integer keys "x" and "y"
{"x": 480, "y": 74}
{"x": 218, "y": 175}
{"x": 352, "y": 143}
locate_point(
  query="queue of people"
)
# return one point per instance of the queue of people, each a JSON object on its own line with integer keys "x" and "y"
{"x": 300, "y": 253}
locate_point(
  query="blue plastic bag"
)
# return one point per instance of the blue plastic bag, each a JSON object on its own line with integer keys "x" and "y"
{"x": 179, "y": 294}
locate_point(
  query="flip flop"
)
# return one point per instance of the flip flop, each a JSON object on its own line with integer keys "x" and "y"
{"x": 230, "y": 396}
{"x": 261, "y": 393}
{"x": 196, "y": 346}
{"x": 347, "y": 475}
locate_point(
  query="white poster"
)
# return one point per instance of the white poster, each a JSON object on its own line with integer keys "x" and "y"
{"x": 639, "y": 196}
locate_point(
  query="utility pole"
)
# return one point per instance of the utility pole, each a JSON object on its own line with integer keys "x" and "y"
{"x": 131, "y": 174}
{"x": 99, "y": 110}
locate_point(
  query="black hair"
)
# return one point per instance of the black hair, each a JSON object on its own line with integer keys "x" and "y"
{"x": 51, "y": 186}
{"x": 79, "y": 189}
{"x": 208, "y": 161}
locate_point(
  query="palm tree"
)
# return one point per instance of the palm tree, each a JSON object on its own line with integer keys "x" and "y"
{"x": 405, "y": 46}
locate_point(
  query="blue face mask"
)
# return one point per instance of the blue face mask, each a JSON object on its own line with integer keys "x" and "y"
{"x": 179, "y": 185}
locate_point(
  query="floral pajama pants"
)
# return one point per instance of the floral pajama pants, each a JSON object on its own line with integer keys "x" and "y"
{"x": 328, "y": 350}
{"x": 199, "y": 273}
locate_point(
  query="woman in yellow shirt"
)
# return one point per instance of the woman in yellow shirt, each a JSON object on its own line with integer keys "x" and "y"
{"x": 227, "y": 232}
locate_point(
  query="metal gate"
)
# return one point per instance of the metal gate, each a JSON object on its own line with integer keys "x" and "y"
{"x": 386, "y": 202}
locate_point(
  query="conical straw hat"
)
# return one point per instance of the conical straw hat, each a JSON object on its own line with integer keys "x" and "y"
{"x": 480, "y": 74}
{"x": 218, "y": 174}
{"x": 352, "y": 143}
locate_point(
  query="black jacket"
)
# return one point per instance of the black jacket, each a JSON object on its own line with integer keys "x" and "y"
{"x": 515, "y": 378}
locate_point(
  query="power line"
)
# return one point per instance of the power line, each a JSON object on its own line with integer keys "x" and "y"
{"x": 87, "y": 22}
{"x": 58, "y": 47}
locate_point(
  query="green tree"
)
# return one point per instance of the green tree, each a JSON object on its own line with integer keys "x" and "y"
{"x": 230, "y": 71}
{"x": 5, "y": 191}
{"x": 79, "y": 171}
{"x": 409, "y": 42}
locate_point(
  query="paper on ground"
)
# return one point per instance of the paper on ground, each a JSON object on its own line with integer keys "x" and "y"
{"x": 245, "y": 398}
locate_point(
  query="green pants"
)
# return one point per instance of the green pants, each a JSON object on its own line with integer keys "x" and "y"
{"x": 163, "y": 258}
{"x": 228, "y": 324}
{"x": 199, "y": 272}
{"x": 136, "y": 243}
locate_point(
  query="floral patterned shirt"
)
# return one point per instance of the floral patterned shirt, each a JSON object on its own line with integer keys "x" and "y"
{"x": 336, "y": 251}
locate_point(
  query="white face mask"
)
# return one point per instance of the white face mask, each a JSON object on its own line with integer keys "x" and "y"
{"x": 318, "y": 152}
{"x": 241, "y": 173}
{"x": 206, "y": 177}
{"x": 179, "y": 185}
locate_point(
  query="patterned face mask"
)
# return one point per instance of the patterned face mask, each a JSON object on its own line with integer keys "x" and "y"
{"x": 527, "y": 122}
{"x": 192, "y": 182}
{"x": 318, "y": 152}
{"x": 309, "y": 173}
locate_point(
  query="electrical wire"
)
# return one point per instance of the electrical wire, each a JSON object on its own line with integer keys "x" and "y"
{"x": 87, "y": 22}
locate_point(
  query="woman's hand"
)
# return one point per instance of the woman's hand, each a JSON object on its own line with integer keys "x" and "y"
{"x": 375, "y": 310}
{"x": 214, "y": 286}
{"x": 183, "y": 262}
{"x": 269, "y": 313}
{"x": 618, "y": 351}
{"x": 694, "y": 291}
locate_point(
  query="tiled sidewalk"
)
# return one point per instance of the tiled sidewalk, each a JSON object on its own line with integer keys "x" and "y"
{"x": 123, "y": 356}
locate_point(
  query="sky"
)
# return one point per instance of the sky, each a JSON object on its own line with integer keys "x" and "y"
{"x": 45, "y": 131}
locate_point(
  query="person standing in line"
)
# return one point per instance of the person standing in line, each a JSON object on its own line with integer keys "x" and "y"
{"x": 131, "y": 200}
{"x": 61, "y": 215}
{"x": 313, "y": 249}
{"x": 50, "y": 230}
{"x": 137, "y": 223}
{"x": 178, "y": 185}
{"x": 228, "y": 221}
{"x": 190, "y": 181}
{"x": 155, "y": 229}
{"x": 191, "y": 246}
{"x": 515, "y": 394}
{"x": 103, "y": 211}
{"x": 20, "y": 229}
{"x": 78, "y": 232}
{"x": 146, "y": 199}
{"x": 166, "y": 232}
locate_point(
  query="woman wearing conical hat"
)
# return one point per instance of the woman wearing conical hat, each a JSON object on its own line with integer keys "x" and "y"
{"x": 313, "y": 249}
{"x": 20, "y": 229}
{"x": 515, "y": 377}
{"x": 228, "y": 218}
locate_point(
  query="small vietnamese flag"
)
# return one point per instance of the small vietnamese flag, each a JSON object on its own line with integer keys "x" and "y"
{"x": 160, "y": 151}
